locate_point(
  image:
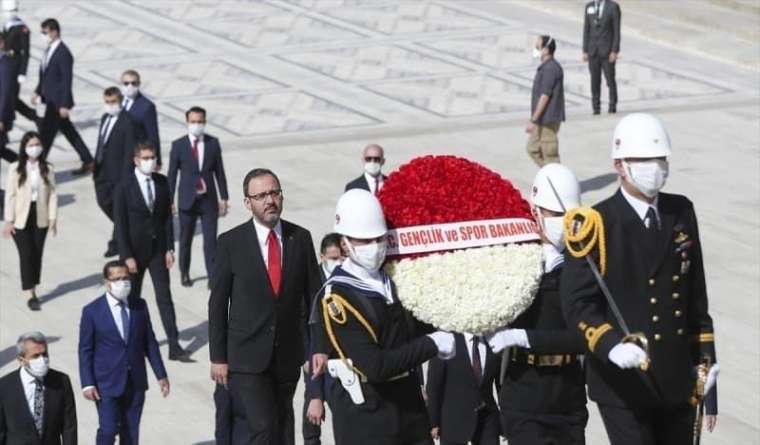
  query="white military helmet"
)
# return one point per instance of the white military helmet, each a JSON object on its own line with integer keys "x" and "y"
{"x": 640, "y": 135}
{"x": 10, "y": 5}
{"x": 359, "y": 215}
{"x": 565, "y": 183}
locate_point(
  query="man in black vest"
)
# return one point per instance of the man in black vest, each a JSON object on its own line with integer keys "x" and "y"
{"x": 601, "y": 45}
{"x": 655, "y": 274}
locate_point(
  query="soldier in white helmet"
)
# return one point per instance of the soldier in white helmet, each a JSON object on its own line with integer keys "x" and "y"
{"x": 543, "y": 395}
{"x": 652, "y": 264}
{"x": 375, "y": 344}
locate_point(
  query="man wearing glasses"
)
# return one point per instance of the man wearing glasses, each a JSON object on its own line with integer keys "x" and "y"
{"x": 372, "y": 179}
{"x": 142, "y": 111}
{"x": 265, "y": 274}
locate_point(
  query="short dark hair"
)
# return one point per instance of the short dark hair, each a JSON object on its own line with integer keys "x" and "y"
{"x": 112, "y": 91}
{"x": 51, "y": 24}
{"x": 548, "y": 42}
{"x": 145, "y": 145}
{"x": 131, "y": 73}
{"x": 255, "y": 173}
{"x": 330, "y": 240}
{"x": 113, "y": 264}
{"x": 195, "y": 109}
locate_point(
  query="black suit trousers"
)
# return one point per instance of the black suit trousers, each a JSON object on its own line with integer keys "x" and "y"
{"x": 159, "y": 275}
{"x": 486, "y": 432}
{"x": 648, "y": 426}
{"x": 209, "y": 215}
{"x": 30, "y": 242}
{"x": 104, "y": 197}
{"x": 598, "y": 64}
{"x": 25, "y": 110}
{"x": 267, "y": 405}
{"x": 51, "y": 123}
{"x": 311, "y": 432}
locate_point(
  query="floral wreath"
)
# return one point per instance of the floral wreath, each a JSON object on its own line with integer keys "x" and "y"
{"x": 462, "y": 247}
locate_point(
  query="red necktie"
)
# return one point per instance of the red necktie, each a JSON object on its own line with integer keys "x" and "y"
{"x": 200, "y": 184}
{"x": 273, "y": 259}
{"x": 377, "y": 185}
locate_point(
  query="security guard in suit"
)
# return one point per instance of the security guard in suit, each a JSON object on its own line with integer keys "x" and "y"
{"x": 646, "y": 245}
{"x": 375, "y": 397}
{"x": 543, "y": 396}
{"x": 17, "y": 48}
{"x": 601, "y": 46}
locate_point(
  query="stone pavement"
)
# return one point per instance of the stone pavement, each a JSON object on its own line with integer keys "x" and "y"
{"x": 301, "y": 86}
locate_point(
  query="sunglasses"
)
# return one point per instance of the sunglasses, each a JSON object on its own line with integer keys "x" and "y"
{"x": 133, "y": 83}
{"x": 377, "y": 159}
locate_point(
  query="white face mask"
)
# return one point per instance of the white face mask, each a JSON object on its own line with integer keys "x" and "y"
{"x": 120, "y": 289}
{"x": 34, "y": 151}
{"x": 47, "y": 38}
{"x": 372, "y": 168}
{"x": 536, "y": 53}
{"x": 112, "y": 109}
{"x": 39, "y": 366}
{"x": 130, "y": 90}
{"x": 330, "y": 265}
{"x": 648, "y": 176}
{"x": 196, "y": 129}
{"x": 147, "y": 166}
{"x": 554, "y": 230}
{"x": 368, "y": 256}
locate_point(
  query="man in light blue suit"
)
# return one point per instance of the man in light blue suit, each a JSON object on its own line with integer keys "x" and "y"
{"x": 115, "y": 338}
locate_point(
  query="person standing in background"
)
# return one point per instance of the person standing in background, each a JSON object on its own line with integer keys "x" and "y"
{"x": 601, "y": 46}
{"x": 547, "y": 104}
{"x": 31, "y": 208}
{"x": 143, "y": 112}
{"x": 372, "y": 179}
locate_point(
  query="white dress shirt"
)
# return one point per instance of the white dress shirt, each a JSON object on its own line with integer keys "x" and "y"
{"x": 49, "y": 53}
{"x": 113, "y": 304}
{"x": 108, "y": 125}
{"x": 641, "y": 207}
{"x": 371, "y": 181}
{"x": 27, "y": 380}
{"x": 377, "y": 280}
{"x": 262, "y": 232}
{"x": 553, "y": 258}
{"x": 127, "y": 102}
{"x": 141, "y": 181}
{"x": 481, "y": 350}
{"x": 33, "y": 174}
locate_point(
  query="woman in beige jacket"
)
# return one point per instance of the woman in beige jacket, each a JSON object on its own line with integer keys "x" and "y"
{"x": 31, "y": 207}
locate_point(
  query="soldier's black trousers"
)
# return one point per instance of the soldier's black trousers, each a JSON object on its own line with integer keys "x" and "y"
{"x": 665, "y": 425}
{"x": 545, "y": 429}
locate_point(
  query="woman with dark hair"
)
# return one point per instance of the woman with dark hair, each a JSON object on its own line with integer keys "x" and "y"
{"x": 31, "y": 207}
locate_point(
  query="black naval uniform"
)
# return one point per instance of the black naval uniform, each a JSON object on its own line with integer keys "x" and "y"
{"x": 656, "y": 277}
{"x": 393, "y": 412}
{"x": 543, "y": 397}
{"x": 17, "y": 47}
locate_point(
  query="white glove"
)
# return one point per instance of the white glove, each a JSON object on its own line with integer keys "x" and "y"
{"x": 507, "y": 338}
{"x": 627, "y": 355}
{"x": 712, "y": 377}
{"x": 444, "y": 341}
{"x": 21, "y": 78}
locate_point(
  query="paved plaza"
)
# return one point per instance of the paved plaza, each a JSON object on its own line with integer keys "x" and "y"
{"x": 301, "y": 86}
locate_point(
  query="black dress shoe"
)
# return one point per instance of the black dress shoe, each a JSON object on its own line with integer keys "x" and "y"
{"x": 180, "y": 355}
{"x": 596, "y": 112}
{"x": 612, "y": 110}
{"x": 34, "y": 304}
{"x": 111, "y": 251}
{"x": 86, "y": 168}
{"x": 186, "y": 281}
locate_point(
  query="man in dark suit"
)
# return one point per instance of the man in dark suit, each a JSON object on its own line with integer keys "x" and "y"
{"x": 115, "y": 338}
{"x": 601, "y": 46}
{"x": 198, "y": 156}
{"x": 265, "y": 274}
{"x": 372, "y": 179}
{"x": 54, "y": 89}
{"x": 145, "y": 236}
{"x": 460, "y": 394}
{"x": 143, "y": 112}
{"x": 655, "y": 274}
{"x": 36, "y": 402}
{"x": 17, "y": 44}
{"x": 7, "y": 115}
{"x": 113, "y": 156}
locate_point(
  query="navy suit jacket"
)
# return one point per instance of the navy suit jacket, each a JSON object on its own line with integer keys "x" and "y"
{"x": 106, "y": 360}
{"x": 143, "y": 113}
{"x": 181, "y": 158}
{"x": 7, "y": 91}
{"x": 55, "y": 81}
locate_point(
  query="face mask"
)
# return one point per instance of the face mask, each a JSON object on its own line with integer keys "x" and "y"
{"x": 648, "y": 177}
{"x": 34, "y": 151}
{"x": 554, "y": 231}
{"x": 112, "y": 109}
{"x": 369, "y": 256}
{"x": 47, "y": 38}
{"x": 372, "y": 168}
{"x": 39, "y": 366}
{"x": 130, "y": 90}
{"x": 196, "y": 129}
{"x": 120, "y": 289}
{"x": 147, "y": 166}
{"x": 330, "y": 265}
{"x": 536, "y": 53}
